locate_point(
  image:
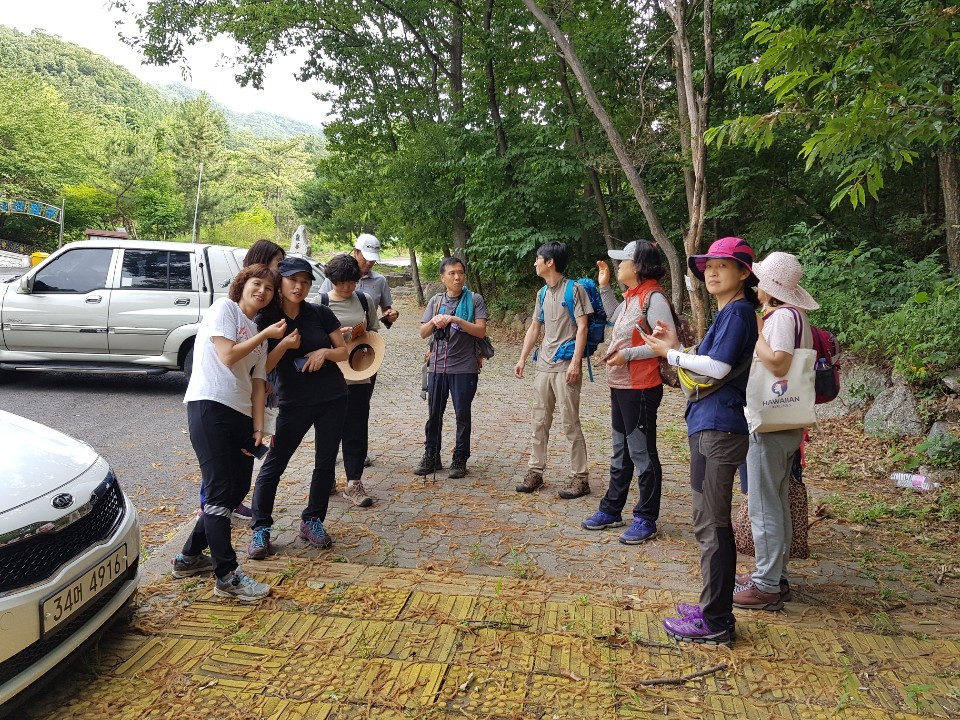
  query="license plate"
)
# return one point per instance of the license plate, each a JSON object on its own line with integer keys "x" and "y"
{"x": 68, "y": 600}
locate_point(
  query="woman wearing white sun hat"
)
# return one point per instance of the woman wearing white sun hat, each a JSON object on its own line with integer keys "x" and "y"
{"x": 770, "y": 456}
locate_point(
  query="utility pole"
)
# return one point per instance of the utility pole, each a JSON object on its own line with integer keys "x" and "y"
{"x": 196, "y": 208}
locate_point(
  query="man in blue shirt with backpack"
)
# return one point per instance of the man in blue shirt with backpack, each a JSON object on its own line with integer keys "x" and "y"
{"x": 559, "y": 374}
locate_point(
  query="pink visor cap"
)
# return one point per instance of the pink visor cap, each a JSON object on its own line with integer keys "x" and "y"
{"x": 733, "y": 248}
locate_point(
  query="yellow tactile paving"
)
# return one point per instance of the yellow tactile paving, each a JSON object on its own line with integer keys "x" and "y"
{"x": 392, "y": 644}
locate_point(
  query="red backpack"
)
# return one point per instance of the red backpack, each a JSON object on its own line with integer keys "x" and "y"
{"x": 826, "y": 367}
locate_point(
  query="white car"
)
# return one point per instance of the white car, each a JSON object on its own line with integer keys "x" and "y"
{"x": 69, "y": 550}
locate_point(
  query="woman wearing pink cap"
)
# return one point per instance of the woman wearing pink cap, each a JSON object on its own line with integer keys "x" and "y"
{"x": 771, "y": 454}
{"x": 717, "y": 431}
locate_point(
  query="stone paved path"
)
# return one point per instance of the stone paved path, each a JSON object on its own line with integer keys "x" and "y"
{"x": 463, "y": 598}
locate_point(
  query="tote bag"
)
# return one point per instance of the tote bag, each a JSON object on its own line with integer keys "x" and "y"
{"x": 799, "y": 508}
{"x": 783, "y": 403}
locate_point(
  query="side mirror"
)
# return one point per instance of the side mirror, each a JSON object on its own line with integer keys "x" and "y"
{"x": 26, "y": 285}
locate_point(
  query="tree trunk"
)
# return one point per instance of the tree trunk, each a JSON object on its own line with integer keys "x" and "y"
{"x": 492, "y": 101}
{"x": 415, "y": 274}
{"x": 697, "y": 117}
{"x": 591, "y": 173}
{"x": 618, "y": 147}
{"x": 460, "y": 229}
{"x": 950, "y": 183}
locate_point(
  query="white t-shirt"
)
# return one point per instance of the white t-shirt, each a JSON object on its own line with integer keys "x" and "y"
{"x": 780, "y": 329}
{"x": 211, "y": 379}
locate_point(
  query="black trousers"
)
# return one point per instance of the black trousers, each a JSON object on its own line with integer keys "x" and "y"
{"x": 217, "y": 433}
{"x": 714, "y": 458}
{"x": 356, "y": 430}
{"x": 326, "y": 418}
{"x": 634, "y": 420}
{"x": 462, "y": 388}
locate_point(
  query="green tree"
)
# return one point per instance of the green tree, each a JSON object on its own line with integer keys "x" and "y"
{"x": 873, "y": 87}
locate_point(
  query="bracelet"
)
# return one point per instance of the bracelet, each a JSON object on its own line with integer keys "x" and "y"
{"x": 258, "y": 431}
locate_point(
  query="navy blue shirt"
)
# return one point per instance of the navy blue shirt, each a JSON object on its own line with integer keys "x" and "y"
{"x": 731, "y": 339}
{"x": 315, "y": 323}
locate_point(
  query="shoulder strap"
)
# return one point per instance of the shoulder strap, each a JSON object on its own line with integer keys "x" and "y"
{"x": 798, "y": 321}
{"x": 324, "y": 298}
{"x": 568, "y": 299}
{"x": 543, "y": 295}
{"x": 362, "y": 297}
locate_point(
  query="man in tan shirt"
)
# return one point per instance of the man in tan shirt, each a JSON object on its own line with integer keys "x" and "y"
{"x": 558, "y": 381}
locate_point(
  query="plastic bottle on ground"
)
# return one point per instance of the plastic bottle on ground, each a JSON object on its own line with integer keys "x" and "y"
{"x": 913, "y": 480}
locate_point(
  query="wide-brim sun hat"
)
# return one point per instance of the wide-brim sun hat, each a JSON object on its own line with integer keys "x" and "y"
{"x": 779, "y": 276}
{"x": 364, "y": 356}
{"x": 625, "y": 254}
{"x": 732, "y": 248}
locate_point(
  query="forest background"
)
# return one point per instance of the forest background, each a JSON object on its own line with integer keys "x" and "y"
{"x": 486, "y": 128}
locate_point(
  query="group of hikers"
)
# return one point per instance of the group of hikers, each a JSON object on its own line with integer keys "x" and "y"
{"x": 266, "y": 328}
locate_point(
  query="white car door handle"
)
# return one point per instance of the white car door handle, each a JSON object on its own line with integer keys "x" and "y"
{"x": 94, "y": 299}
{"x": 182, "y": 301}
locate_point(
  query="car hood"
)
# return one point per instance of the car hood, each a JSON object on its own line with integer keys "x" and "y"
{"x": 37, "y": 460}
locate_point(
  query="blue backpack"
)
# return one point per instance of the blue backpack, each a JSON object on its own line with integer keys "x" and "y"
{"x": 597, "y": 322}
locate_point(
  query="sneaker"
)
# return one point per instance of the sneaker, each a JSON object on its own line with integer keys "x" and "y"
{"x": 240, "y": 586}
{"x": 428, "y": 463}
{"x": 575, "y": 487}
{"x": 695, "y": 629}
{"x": 367, "y": 461}
{"x": 242, "y": 512}
{"x": 355, "y": 493}
{"x": 639, "y": 531}
{"x": 689, "y": 610}
{"x": 531, "y": 481}
{"x": 744, "y": 579}
{"x": 259, "y": 546}
{"x": 458, "y": 467}
{"x": 312, "y": 531}
{"x": 601, "y": 521}
{"x": 751, "y": 597}
{"x": 185, "y": 566}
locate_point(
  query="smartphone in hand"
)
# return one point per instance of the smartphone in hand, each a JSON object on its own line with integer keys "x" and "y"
{"x": 258, "y": 451}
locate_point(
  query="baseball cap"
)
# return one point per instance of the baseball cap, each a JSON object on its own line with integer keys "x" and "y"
{"x": 368, "y": 246}
{"x": 292, "y": 265}
{"x": 625, "y": 254}
{"x": 733, "y": 248}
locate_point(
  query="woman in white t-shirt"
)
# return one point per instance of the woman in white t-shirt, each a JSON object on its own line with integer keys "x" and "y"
{"x": 225, "y": 401}
{"x": 770, "y": 456}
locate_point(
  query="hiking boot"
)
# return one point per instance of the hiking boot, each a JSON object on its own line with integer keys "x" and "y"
{"x": 242, "y": 512}
{"x": 695, "y": 629}
{"x": 333, "y": 488}
{"x": 240, "y": 586}
{"x": 312, "y": 531}
{"x": 601, "y": 521}
{"x": 355, "y": 493}
{"x": 429, "y": 463}
{"x": 744, "y": 579}
{"x": 259, "y": 546}
{"x": 639, "y": 532}
{"x": 185, "y": 565}
{"x": 531, "y": 481}
{"x": 575, "y": 487}
{"x": 458, "y": 467}
{"x": 751, "y": 597}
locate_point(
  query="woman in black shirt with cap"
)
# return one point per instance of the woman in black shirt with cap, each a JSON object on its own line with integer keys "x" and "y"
{"x": 313, "y": 393}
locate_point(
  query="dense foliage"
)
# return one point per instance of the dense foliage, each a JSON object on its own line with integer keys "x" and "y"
{"x": 459, "y": 127}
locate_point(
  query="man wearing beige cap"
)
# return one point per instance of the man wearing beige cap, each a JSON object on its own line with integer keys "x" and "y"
{"x": 367, "y": 252}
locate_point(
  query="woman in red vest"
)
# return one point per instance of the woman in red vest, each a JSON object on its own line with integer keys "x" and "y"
{"x": 636, "y": 389}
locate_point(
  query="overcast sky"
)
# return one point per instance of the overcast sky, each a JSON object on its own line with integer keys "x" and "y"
{"x": 89, "y": 23}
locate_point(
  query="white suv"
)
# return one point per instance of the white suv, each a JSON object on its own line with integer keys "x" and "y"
{"x": 112, "y": 305}
{"x": 69, "y": 550}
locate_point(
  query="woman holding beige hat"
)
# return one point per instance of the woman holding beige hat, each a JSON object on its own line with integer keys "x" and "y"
{"x": 784, "y": 328}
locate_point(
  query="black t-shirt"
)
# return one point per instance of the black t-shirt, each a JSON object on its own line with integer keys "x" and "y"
{"x": 315, "y": 324}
